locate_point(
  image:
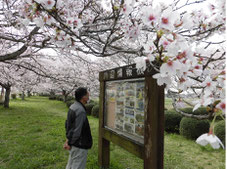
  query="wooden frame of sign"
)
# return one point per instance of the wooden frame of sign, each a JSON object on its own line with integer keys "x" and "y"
{"x": 152, "y": 150}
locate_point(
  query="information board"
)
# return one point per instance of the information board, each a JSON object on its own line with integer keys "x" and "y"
{"x": 124, "y": 107}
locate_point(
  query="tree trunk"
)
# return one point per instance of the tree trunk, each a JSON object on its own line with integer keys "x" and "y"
{"x": 7, "y": 97}
{"x": 65, "y": 95}
{"x": 52, "y": 93}
{"x": 29, "y": 93}
{"x": 22, "y": 96}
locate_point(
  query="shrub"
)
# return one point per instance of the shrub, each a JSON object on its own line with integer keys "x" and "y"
{"x": 53, "y": 97}
{"x": 70, "y": 98}
{"x": 44, "y": 94}
{"x": 14, "y": 96}
{"x": 95, "y": 111}
{"x": 89, "y": 107}
{"x": 193, "y": 128}
{"x": 172, "y": 121}
{"x": 91, "y": 101}
{"x": 199, "y": 111}
{"x": 69, "y": 103}
{"x": 59, "y": 97}
{"x": 219, "y": 130}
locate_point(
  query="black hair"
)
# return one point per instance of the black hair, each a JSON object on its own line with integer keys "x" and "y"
{"x": 80, "y": 92}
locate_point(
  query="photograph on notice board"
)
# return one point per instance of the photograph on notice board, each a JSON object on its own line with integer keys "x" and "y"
{"x": 139, "y": 129}
{"x": 139, "y": 117}
{"x": 140, "y": 96}
{"x": 129, "y": 128}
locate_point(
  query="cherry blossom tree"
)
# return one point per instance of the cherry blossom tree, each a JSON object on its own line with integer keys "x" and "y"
{"x": 8, "y": 77}
{"x": 185, "y": 46}
{"x": 70, "y": 72}
{"x": 27, "y": 83}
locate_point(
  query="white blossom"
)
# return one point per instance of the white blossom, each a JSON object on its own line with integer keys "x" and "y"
{"x": 39, "y": 22}
{"x": 140, "y": 63}
{"x": 162, "y": 79}
{"x": 211, "y": 139}
{"x": 170, "y": 67}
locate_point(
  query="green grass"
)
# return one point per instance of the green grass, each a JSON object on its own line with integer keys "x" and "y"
{"x": 168, "y": 103}
{"x": 32, "y": 134}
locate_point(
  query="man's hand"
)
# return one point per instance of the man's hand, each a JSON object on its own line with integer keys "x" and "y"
{"x": 66, "y": 146}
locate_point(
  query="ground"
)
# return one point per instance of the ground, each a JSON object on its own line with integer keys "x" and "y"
{"x": 32, "y": 136}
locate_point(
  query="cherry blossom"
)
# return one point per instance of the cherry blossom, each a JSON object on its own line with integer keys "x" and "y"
{"x": 221, "y": 106}
{"x": 170, "y": 67}
{"x": 162, "y": 79}
{"x": 48, "y": 4}
{"x": 204, "y": 101}
{"x": 210, "y": 138}
{"x": 141, "y": 63}
{"x": 151, "y": 15}
{"x": 168, "y": 19}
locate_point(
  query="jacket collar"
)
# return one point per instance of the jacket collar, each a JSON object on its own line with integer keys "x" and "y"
{"x": 82, "y": 105}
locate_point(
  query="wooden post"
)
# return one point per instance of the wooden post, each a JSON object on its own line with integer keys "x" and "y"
{"x": 104, "y": 145}
{"x": 154, "y": 124}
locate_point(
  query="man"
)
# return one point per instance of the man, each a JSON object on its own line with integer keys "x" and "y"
{"x": 78, "y": 132}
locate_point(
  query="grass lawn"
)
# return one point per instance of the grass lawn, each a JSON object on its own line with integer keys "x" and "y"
{"x": 168, "y": 103}
{"x": 32, "y": 134}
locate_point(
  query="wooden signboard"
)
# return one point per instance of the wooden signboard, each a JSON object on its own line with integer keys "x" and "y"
{"x": 131, "y": 115}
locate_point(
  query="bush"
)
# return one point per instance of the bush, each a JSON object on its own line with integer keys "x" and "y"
{"x": 44, "y": 94}
{"x": 219, "y": 130}
{"x": 14, "y": 96}
{"x": 89, "y": 107}
{"x": 95, "y": 111}
{"x": 59, "y": 97}
{"x": 199, "y": 111}
{"x": 172, "y": 121}
{"x": 69, "y": 103}
{"x": 193, "y": 128}
{"x": 53, "y": 97}
{"x": 91, "y": 101}
{"x": 70, "y": 98}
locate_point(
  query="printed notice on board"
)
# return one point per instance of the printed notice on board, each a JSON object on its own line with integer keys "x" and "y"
{"x": 124, "y": 106}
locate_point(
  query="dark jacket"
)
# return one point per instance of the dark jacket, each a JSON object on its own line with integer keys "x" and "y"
{"x": 78, "y": 130}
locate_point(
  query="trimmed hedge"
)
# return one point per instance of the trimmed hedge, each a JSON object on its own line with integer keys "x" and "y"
{"x": 91, "y": 101}
{"x": 199, "y": 111}
{"x": 172, "y": 121}
{"x": 44, "y": 94}
{"x": 14, "y": 96}
{"x": 193, "y": 128}
{"x": 52, "y": 97}
{"x": 70, "y": 98}
{"x": 219, "y": 130}
{"x": 95, "y": 111}
{"x": 59, "y": 97}
{"x": 89, "y": 107}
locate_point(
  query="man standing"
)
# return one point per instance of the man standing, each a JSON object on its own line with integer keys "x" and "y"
{"x": 78, "y": 132}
